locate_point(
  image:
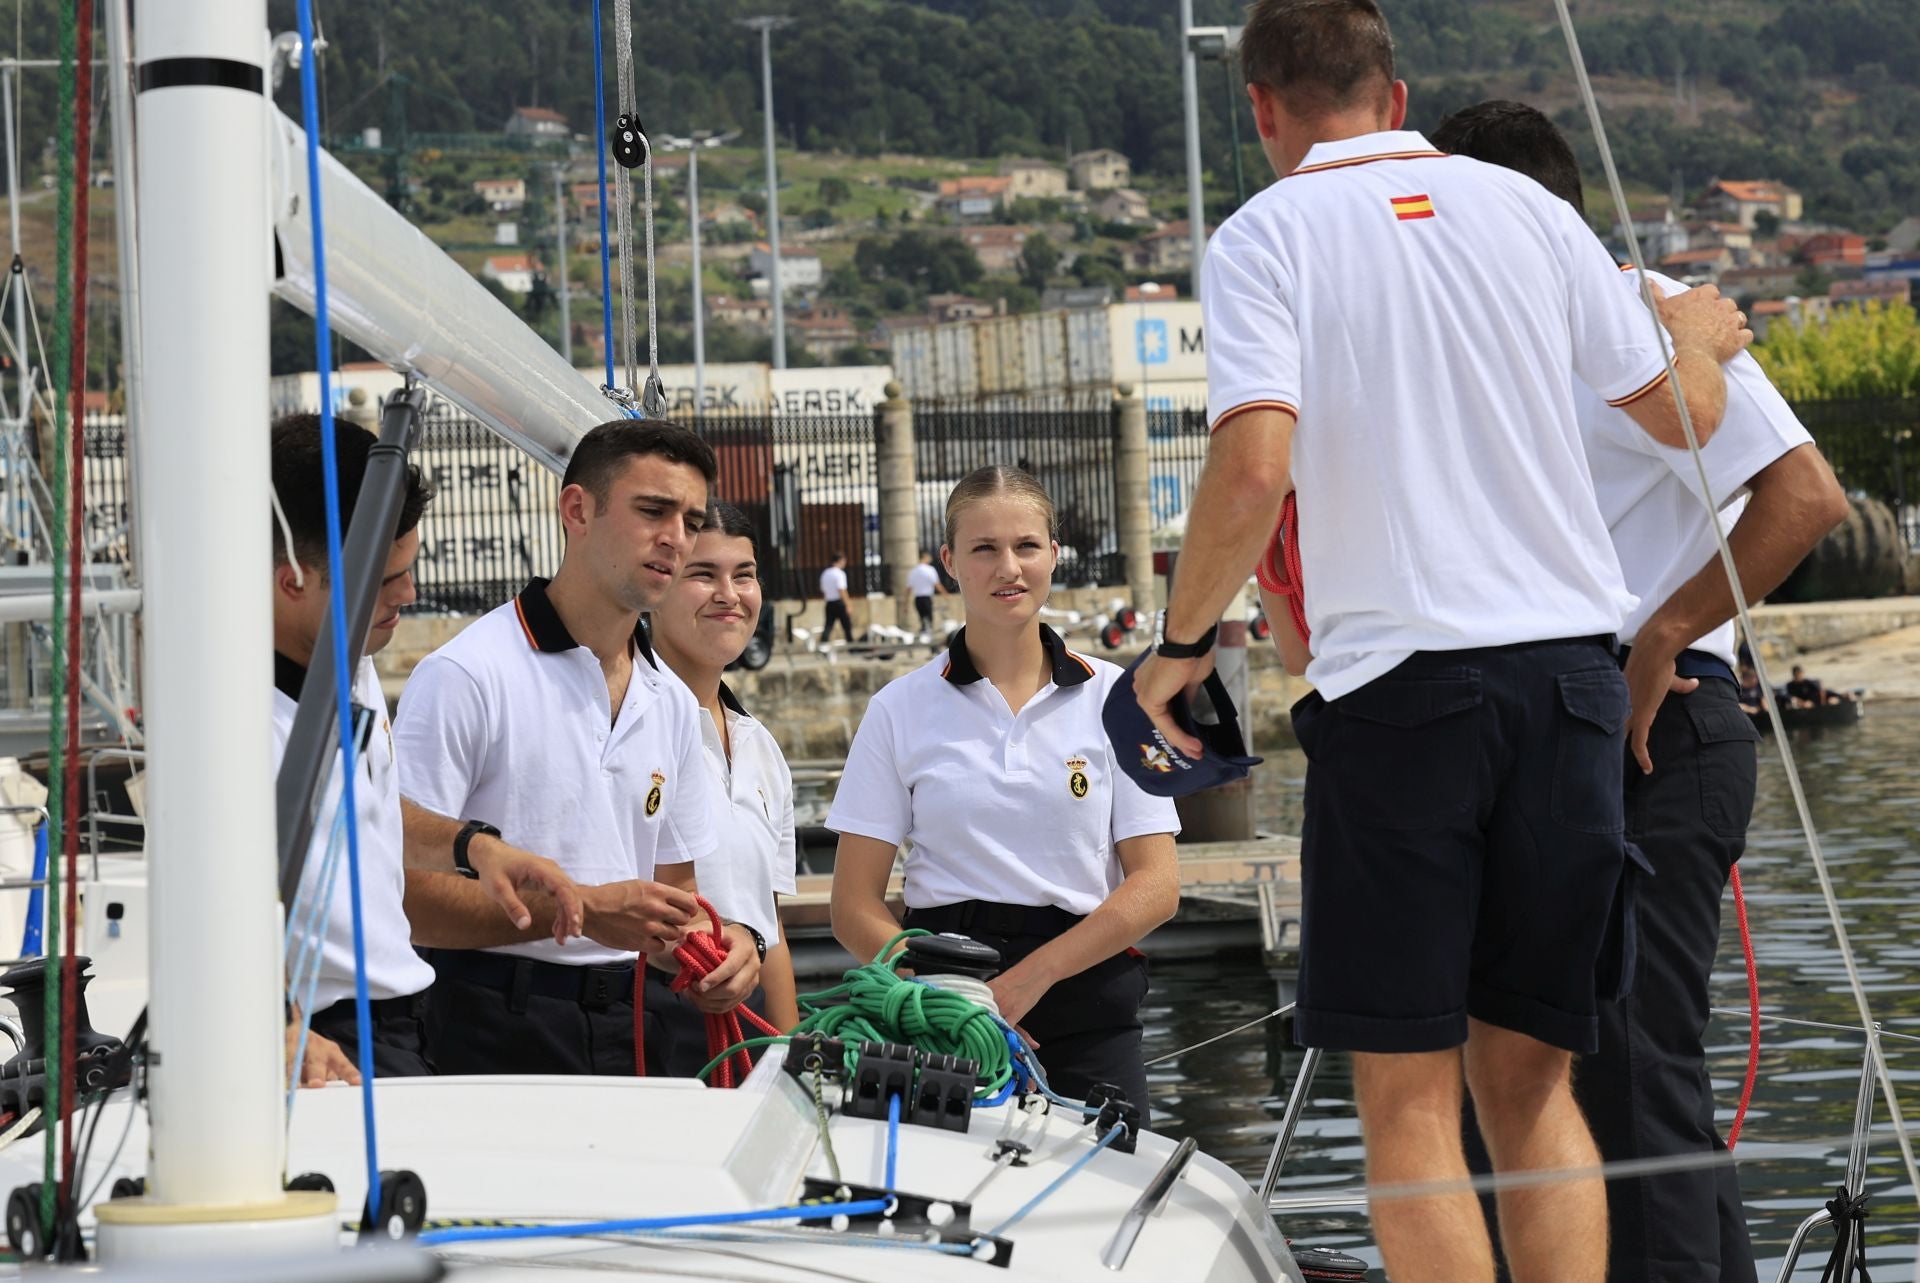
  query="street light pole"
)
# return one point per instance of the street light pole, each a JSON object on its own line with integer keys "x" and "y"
{"x": 766, "y": 25}
{"x": 560, "y": 236}
{"x": 1196, "y": 197}
{"x": 699, "y": 296}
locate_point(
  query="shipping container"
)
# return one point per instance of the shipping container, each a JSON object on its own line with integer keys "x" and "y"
{"x": 846, "y": 389}
{"x": 956, "y": 369}
{"x": 1152, "y": 342}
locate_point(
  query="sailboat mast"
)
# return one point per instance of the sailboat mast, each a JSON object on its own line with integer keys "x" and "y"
{"x": 216, "y": 1073}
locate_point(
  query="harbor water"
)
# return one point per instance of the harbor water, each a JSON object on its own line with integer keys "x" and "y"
{"x": 1865, "y": 797}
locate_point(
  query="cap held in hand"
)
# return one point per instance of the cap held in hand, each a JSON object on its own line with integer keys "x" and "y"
{"x": 1157, "y": 766}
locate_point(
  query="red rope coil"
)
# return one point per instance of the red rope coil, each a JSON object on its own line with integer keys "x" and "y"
{"x": 1279, "y": 570}
{"x": 699, "y": 954}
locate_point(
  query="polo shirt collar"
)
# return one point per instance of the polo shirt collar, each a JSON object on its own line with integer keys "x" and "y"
{"x": 730, "y": 701}
{"x": 1388, "y": 144}
{"x": 288, "y": 677}
{"x": 1068, "y": 668}
{"x": 548, "y": 635}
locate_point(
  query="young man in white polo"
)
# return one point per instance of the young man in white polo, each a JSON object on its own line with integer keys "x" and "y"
{"x": 923, "y": 581}
{"x": 549, "y": 722}
{"x": 833, "y": 593}
{"x": 1689, "y": 794}
{"x": 396, "y": 977}
{"x": 1421, "y": 319}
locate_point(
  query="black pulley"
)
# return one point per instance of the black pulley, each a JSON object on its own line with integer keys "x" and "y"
{"x": 26, "y": 1232}
{"x": 129, "y": 1187}
{"x": 628, "y": 138}
{"x": 316, "y": 1181}
{"x": 952, "y": 955}
{"x": 403, "y": 1208}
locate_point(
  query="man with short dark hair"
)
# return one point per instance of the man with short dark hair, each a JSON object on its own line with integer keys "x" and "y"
{"x": 1646, "y": 1092}
{"x": 548, "y": 721}
{"x": 396, "y": 977}
{"x": 833, "y": 593}
{"x": 1419, "y": 318}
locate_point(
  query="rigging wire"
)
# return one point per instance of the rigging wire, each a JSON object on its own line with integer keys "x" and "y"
{"x": 1255, "y": 1023}
{"x": 336, "y": 605}
{"x": 623, "y": 186}
{"x": 600, "y": 151}
{"x": 1818, "y": 859}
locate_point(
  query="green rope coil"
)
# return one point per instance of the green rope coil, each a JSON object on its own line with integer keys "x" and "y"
{"x": 874, "y": 1003}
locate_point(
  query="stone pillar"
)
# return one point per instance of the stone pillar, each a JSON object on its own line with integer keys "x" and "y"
{"x": 899, "y": 509}
{"x": 361, "y": 407}
{"x": 1132, "y": 496}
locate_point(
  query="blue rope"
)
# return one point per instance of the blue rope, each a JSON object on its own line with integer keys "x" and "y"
{"x": 337, "y": 603}
{"x": 1112, "y": 1135}
{"x": 303, "y": 970}
{"x": 579, "y": 1229}
{"x": 600, "y": 151}
{"x": 893, "y": 1140}
{"x": 34, "y": 940}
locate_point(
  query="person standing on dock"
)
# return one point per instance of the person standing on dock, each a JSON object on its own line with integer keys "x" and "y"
{"x": 1420, "y": 319}
{"x": 833, "y": 593}
{"x": 548, "y": 721}
{"x": 1689, "y": 795}
{"x": 390, "y": 849}
{"x": 702, "y": 625}
{"x": 991, "y": 764}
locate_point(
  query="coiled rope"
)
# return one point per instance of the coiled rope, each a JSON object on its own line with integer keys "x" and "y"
{"x": 699, "y": 954}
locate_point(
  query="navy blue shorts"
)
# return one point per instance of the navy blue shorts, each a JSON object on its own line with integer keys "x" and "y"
{"x": 1463, "y": 848}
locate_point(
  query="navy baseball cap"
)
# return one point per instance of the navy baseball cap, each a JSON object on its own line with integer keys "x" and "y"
{"x": 1157, "y": 766}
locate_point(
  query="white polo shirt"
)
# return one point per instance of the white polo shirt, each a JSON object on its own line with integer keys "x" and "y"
{"x": 509, "y": 723}
{"x": 1650, "y": 495}
{"x": 1011, "y": 809}
{"x": 1420, "y": 314}
{"x": 753, "y": 815}
{"x": 394, "y": 970}
{"x": 923, "y": 579}
{"x": 833, "y": 582}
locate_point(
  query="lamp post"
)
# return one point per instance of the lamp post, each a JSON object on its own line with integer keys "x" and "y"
{"x": 701, "y": 139}
{"x": 1220, "y": 44}
{"x": 1196, "y": 198}
{"x": 766, "y": 25}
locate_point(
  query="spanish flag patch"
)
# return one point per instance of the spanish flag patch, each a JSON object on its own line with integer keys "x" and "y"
{"x": 1406, "y": 208}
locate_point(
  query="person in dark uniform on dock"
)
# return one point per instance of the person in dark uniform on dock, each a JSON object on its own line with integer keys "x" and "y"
{"x": 991, "y": 765}
{"x": 1396, "y": 331}
{"x": 549, "y": 721}
{"x": 390, "y": 849}
{"x": 1689, "y": 794}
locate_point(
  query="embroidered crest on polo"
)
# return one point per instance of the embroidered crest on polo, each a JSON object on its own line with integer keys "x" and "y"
{"x": 1408, "y": 208}
{"x": 653, "y": 794}
{"x": 1077, "y": 776}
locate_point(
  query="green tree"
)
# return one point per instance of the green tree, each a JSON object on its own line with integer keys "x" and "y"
{"x": 1866, "y": 351}
{"x": 1039, "y": 258}
{"x": 834, "y": 191}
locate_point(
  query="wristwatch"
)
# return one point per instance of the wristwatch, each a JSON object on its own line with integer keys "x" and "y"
{"x": 1180, "y": 650}
{"x": 759, "y": 941}
{"x": 461, "y": 864}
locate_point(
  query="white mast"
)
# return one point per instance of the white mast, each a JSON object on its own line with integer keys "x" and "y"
{"x": 217, "y": 1071}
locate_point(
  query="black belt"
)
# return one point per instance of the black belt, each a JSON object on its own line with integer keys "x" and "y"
{"x": 987, "y": 918}
{"x": 409, "y": 1006}
{"x": 594, "y": 988}
{"x": 1693, "y": 663}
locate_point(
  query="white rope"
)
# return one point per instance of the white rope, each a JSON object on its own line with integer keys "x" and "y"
{"x": 1821, "y": 872}
{"x": 286, "y": 537}
{"x": 623, "y": 185}
{"x": 19, "y": 1127}
{"x": 1275, "y": 1014}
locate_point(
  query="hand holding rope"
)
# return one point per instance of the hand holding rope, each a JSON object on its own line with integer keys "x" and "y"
{"x": 700, "y": 953}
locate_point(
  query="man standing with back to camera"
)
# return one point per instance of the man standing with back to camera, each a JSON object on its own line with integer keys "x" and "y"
{"x": 1462, "y": 597}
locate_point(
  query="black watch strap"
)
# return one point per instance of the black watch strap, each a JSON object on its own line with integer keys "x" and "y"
{"x": 1170, "y": 649}
{"x": 461, "y": 864}
{"x": 759, "y": 941}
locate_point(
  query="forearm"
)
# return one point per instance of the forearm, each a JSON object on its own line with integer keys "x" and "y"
{"x": 1704, "y": 383}
{"x": 863, "y": 925}
{"x": 428, "y": 837}
{"x": 1795, "y": 502}
{"x": 782, "y": 990}
{"x": 447, "y": 911}
{"x": 1236, "y": 506}
{"x": 1143, "y": 900}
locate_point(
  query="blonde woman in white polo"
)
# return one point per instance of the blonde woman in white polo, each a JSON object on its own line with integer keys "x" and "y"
{"x": 990, "y": 764}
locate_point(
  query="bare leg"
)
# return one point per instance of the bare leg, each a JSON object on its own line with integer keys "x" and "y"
{"x": 1523, "y": 1092}
{"x": 1410, "y": 1115}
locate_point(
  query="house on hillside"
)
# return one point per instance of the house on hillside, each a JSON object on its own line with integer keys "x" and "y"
{"x": 1659, "y": 232}
{"x": 1068, "y": 298}
{"x": 1168, "y": 249}
{"x": 1743, "y": 202}
{"x": 728, "y": 213}
{"x": 1696, "y": 265}
{"x": 515, "y": 272}
{"x": 1728, "y": 236}
{"x": 586, "y": 198}
{"x": 1097, "y": 170}
{"x": 503, "y": 195}
{"x": 997, "y": 247}
{"x": 824, "y": 331}
{"x": 1034, "y": 180}
{"x": 1120, "y": 205}
{"x": 1161, "y": 293}
{"x": 1834, "y": 249}
{"x": 975, "y": 196}
{"x": 536, "y": 122}
{"x": 1880, "y": 289}
{"x": 942, "y": 308}
{"x": 754, "y": 315}
{"x": 799, "y": 268}
{"x": 1744, "y": 283}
